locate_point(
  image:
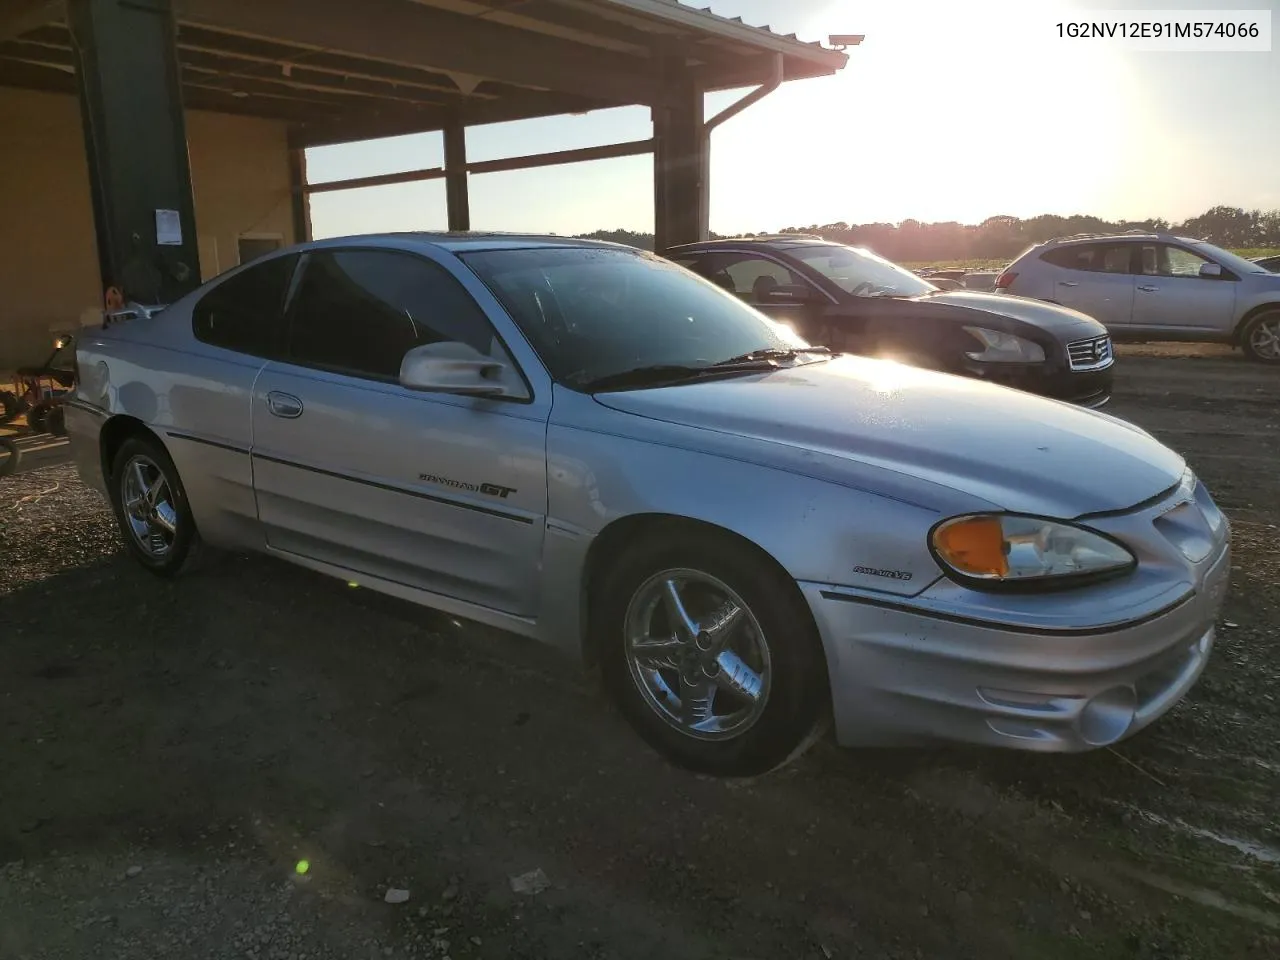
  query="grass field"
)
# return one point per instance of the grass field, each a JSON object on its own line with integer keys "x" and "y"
{"x": 1248, "y": 254}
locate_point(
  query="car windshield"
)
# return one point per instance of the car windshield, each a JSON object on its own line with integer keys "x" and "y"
{"x": 595, "y": 313}
{"x": 1231, "y": 261}
{"x": 861, "y": 272}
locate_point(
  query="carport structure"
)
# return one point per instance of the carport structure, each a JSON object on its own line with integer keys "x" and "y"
{"x": 339, "y": 71}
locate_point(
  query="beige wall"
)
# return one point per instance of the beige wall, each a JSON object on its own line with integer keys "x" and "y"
{"x": 48, "y": 260}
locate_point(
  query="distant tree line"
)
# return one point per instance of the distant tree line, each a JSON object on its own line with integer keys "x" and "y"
{"x": 1004, "y": 237}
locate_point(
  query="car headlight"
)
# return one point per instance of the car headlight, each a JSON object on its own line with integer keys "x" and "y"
{"x": 991, "y": 550}
{"x": 998, "y": 347}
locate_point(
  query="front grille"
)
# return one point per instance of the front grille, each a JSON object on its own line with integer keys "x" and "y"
{"x": 1090, "y": 354}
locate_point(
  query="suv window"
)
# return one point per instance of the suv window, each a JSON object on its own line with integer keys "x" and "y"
{"x": 1092, "y": 257}
{"x": 1163, "y": 260}
{"x": 361, "y": 311}
{"x": 243, "y": 313}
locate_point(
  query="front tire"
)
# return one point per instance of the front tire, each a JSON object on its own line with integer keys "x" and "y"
{"x": 151, "y": 508}
{"x": 711, "y": 655}
{"x": 1260, "y": 337}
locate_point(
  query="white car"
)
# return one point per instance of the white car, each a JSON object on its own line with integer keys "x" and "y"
{"x": 1156, "y": 287}
{"x": 593, "y": 447}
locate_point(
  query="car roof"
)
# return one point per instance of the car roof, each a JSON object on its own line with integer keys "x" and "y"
{"x": 1136, "y": 236}
{"x": 457, "y": 242}
{"x": 779, "y": 242}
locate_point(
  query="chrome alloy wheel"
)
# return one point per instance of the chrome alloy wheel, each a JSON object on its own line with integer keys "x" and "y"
{"x": 1264, "y": 338}
{"x": 148, "y": 506}
{"x": 697, "y": 654}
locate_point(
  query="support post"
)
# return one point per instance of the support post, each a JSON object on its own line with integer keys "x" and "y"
{"x": 136, "y": 146}
{"x": 455, "y": 177}
{"x": 680, "y": 163}
{"x": 301, "y": 199}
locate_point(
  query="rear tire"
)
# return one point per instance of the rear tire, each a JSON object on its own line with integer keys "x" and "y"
{"x": 37, "y": 416}
{"x": 10, "y": 456}
{"x": 151, "y": 508}
{"x": 56, "y": 422}
{"x": 684, "y": 672}
{"x": 1260, "y": 337}
{"x": 10, "y": 406}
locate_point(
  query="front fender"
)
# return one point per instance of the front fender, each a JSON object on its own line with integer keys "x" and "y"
{"x": 817, "y": 531}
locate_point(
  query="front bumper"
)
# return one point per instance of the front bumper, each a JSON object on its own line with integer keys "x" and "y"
{"x": 1091, "y": 388}
{"x": 902, "y": 676}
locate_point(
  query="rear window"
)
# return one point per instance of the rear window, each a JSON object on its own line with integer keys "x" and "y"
{"x": 244, "y": 312}
{"x": 1092, "y": 257}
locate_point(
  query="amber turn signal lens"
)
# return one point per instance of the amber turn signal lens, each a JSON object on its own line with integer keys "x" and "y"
{"x": 973, "y": 545}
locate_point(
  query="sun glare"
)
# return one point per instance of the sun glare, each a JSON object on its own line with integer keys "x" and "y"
{"x": 949, "y": 111}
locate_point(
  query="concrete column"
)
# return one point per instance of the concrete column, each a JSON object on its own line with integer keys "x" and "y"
{"x": 455, "y": 177}
{"x": 136, "y": 145}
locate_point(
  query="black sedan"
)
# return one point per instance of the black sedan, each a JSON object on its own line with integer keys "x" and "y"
{"x": 851, "y": 300}
{"x": 1269, "y": 263}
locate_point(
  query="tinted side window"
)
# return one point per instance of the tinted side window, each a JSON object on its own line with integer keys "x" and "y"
{"x": 1093, "y": 257}
{"x": 361, "y": 311}
{"x": 748, "y": 276}
{"x": 1180, "y": 262}
{"x": 243, "y": 313}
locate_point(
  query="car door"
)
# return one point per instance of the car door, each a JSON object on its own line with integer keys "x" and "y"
{"x": 1172, "y": 296}
{"x": 435, "y": 491}
{"x": 205, "y": 409}
{"x": 1097, "y": 279}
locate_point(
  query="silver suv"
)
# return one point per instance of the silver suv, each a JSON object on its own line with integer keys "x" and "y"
{"x": 1152, "y": 286}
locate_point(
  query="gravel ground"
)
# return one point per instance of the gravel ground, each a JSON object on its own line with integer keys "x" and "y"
{"x": 177, "y": 750}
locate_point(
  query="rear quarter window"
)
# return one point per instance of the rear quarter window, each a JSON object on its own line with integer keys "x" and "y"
{"x": 1091, "y": 257}
{"x": 244, "y": 313}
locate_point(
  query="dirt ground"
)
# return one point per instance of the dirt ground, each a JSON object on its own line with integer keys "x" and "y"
{"x": 173, "y": 751}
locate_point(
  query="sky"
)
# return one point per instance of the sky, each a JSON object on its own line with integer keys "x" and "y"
{"x": 949, "y": 110}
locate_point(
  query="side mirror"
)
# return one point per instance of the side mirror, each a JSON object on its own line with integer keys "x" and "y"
{"x": 1211, "y": 271}
{"x": 452, "y": 367}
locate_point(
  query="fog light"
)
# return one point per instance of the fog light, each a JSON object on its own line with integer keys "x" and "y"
{"x": 1107, "y": 717}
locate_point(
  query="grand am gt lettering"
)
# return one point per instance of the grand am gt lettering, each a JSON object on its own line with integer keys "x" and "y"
{"x": 880, "y": 572}
{"x": 489, "y": 489}
{"x": 718, "y": 496}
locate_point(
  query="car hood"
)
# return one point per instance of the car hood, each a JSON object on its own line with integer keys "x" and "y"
{"x": 1060, "y": 321}
{"x": 892, "y": 426}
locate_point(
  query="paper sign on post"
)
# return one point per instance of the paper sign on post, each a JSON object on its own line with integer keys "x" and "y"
{"x": 168, "y": 228}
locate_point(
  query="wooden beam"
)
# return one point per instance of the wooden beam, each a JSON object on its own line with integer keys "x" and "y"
{"x": 381, "y": 180}
{"x": 413, "y": 35}
{"x": 36, "y": 76}
{"x": 752, "y": 71}
{"x": 19, "y": 16}
{"x": 374, "y": 125}
{"x": 277, "y": 55}
{"x": 609, "y": 151}
{"x": 207, "y": 76}
{"x": 352, "y": 89}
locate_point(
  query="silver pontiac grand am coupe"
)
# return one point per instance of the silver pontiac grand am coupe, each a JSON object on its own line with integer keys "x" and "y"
{"x": 593, "y": 447}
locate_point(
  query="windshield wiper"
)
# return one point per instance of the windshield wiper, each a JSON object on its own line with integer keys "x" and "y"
{"x": 661, "y": 373}
{"x": 644, "y": 376}
{"x": 769, "y": 353}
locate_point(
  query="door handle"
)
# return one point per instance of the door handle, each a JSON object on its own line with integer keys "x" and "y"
{"x": 1068, "y": 283}
{"x": 1146, "y": 288}
{"x": 284, "y": 405}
